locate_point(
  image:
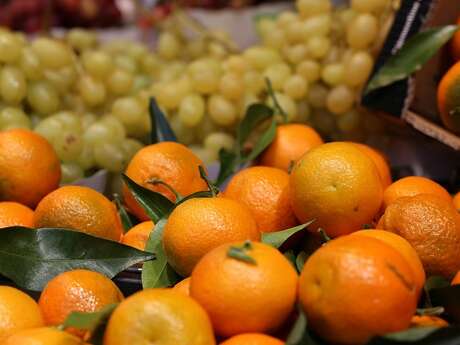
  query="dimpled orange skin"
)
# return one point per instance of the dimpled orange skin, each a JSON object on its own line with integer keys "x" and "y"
{"x": 290, "y": 143}
{"x": 183, "y": 286}
{"x": 432, "y": 226}
{"x": 17, "y": 311}
{"x": 138, "y": 235}
{"x": 79, "y": 208}
{"x": 160, "y": 317}
{"x": 411, "y": 186}
{"x": 337, "y": 185}
{"x": 252, "y": 339}
{"x": 379, "y": 161}
{"x": 356, "y": 287}
{"x": 403, "y": 247}
{"x": 241, "y": 297}
{"x": 456, "y": 200}
{"x": 171, "y": 162}
{"x": 428, "y": 321}
{"x": 201, "y": 224}
{"x": 15, "y": 214}
{"x": 265, "y": 192}
{"x": 29, "y": 167}
{"x": 77, "y": 290}
{"x": 42, "y": 336}
{"x": 456, "y": 280}
{"x": 448, "y": 98}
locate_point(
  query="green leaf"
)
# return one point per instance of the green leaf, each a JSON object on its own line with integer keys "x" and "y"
{"x": 240, "y": 253}
{"x": 211, "y": 187}
{"x": 412, "y": 334}
{"x": 300, "y": 261}
{"x": 276, "y": 239}
{"x": 300, "y": 334}
{"x": 155, "y": 204}
{"x": 290, "y": 255}
{"x": 124, "y": 216}
{"x": 161, "y": 130}
{"x": 447, "y": 297}
{"x": 228, "y": 162}
{"x": 31, "y": 258}
{"x": 411, "y": 57}
{"x": 430, "y": 311}
{"x": 89, "y": 321}
{"x": 158, "y": 273}
{"x": 264, "y": 141}
{"x": 432, "y": 283}
{"x": 420, "y": 336}
{"x": 200, "y": 194}
{"x": 272, "y": 95}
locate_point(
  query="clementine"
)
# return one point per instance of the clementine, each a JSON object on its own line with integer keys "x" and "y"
{"x": 138, "y": 235}
{"x": 15, "y": 214}
{"x": 252, "y": 339}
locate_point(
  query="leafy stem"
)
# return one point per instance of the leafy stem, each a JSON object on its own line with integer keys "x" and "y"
{"x": 157, "y": 181}
{"x": 212, "y": 188}
{"x": 324, "y": 236}
{"x": 240, "y": 253}
{"x": 271, "y": 94}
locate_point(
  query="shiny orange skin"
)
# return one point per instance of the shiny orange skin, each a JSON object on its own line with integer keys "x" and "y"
{"x": 77, "y": 290}
{"x": 138, "y": 235}
{"x": 456, "y": 200}
{"x": 42, "y": 336}
{"x": 456, "y": 280}
{"x": 337, "y": 185}
{"x": 18, "y": 311}
{"x": 15, "y": 214}
{"x": 241, "y": 297}
{"x": 183, "y": 286}
{"x": 428, "y": 321}
{"x": 79, "y": 208}
{"x": 448, "y": 98}
{"x": 29, "y": 167}
{"x": 413, "y": 185}
{"x": 160, "y": 317}
{"x": 265, "y": 192}
{"x": 404, "y": 248}
{"x": 455, "y": 44}
{"x": 173, "y": 163}
{"x": 291, "y": 142}
{"x": 252, "y": 339}
{"x": 431, "y": 225}
{"x": 201, "y": 224}
{"x": 356, "y": 287}
{"x": 380, "y": 162}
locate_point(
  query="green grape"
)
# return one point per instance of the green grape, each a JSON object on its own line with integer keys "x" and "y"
{"x": 287, "y": 104}
{"x": 81, "y": 40}
{"x": 69, "y": 120}
{"x": 86, "y": 158}
{"x": 150, "y": 65}
{"x": 173, "y": 71}
{"x": 68, "y": 145}
{"x": 375, "y": 6}
{"x": 295, "y": 87}
{"x": 317, "y": 95}
{"x": 73, "y": 101}
{"x": 71, "y": 172}
{"x": 295, "y": 54}
{"x": 168, "y": 47}
{"x": 207, "y": 156}
{"x": 129, "y": 111}
{"x": 217, "y": 50}
{"x": 205, "y": 75}
{"x": 218, "y": 140}
{"x": 332, "y": 74}
{"x": 30, "y": 64}
{"x": 184, "y": 134}
{"x": 349, "y": 121}
{"x": 309, "y": 69}
{"x": 261, "y": 57}
{"x": 168, "y": 96}
{"x": 10, "y": 47}
{"x": 98, "y": 64}
{"x": 87, "y": 119}
{"x": 340, "y": 99}
{"x": 110, "y": 156}
{"x": 278, "y": 74}
{"x": 347, "y": 15}
{"x": 318, "y": 46}
{"x": 62, "y": 79}
{"x": 275, "y": 39}
{"x": 115, "y": 126}
{"x": 195, "y": 48}
{"x": 362, "y": 31}
{"x": 324, "y": 121}
{"x": 293, "y": 32}
{"x": 120, "y": 82}
{"x": 221, "y": 110}
{"x": 43, "y": 97}
{"x": 137, "y": 51}
{"x": 191, "y": 110}
{"x": 309, "y": 8}
{"x": 358, "y": 68}
{"x": 236, "y": 64}
{"x": 52, "y": 53}
{"x": 13, "y": 85}
{"x": 265, "y": 26}
{"x": 92, "y": 91}
{"x": 13, "y": 118}
{"x": 101, "y": 132}
{"x": 304, "y": 111}
{"x": 126, "y": 63}
{"x": 141, "y": 82}
{"x": 254, "y": 82}
{"x": 50, "y": 128}
{"x": 130, "y": 147}
{"x": 285, "y": 18}
{"x": 319, "y": 25}
{"x": 231, "y": 86}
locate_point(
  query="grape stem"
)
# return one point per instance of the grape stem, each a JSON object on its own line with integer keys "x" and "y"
{"x": 272, "y": 95}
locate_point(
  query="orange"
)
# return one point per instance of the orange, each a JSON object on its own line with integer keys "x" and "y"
{"x": 77, "y": 290}
{"x": 431, "y": 225}
{"x": 404, "y": 248}
{"x": 243, "y": 297}
{"x": 17, "y": 311}
{"x": 160, "y": 317}
{"x": 455, "y": 44}
{"x": 428, "y": 321}
{"x": 413, "y": 185}
{"x": 138, "y": 235}
{"x": 252, "y": 339}
{"x": 199, "y": 225}
{"x": 456, "y": 280}
{"x": 356, "y": 287}
{"x": 170, "y": 162}
{"x": 42, "y": 336}
{"x": 29, "y": 167}
{"x": 79, "y": 208}
{"x": 337, "y": 185}
{"x": 290, "y": 143}
{"x": 265, "y": 192}
{"x": 457, "y": 201}
{"x": 183, "y": 286}
{"x": 449, "y": 98}
{"x": 380, "y": 162}
{"x": 15, "y": 214}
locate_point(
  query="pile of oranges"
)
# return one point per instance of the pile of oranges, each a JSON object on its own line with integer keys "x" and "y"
{"x": 369, "y": 248}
